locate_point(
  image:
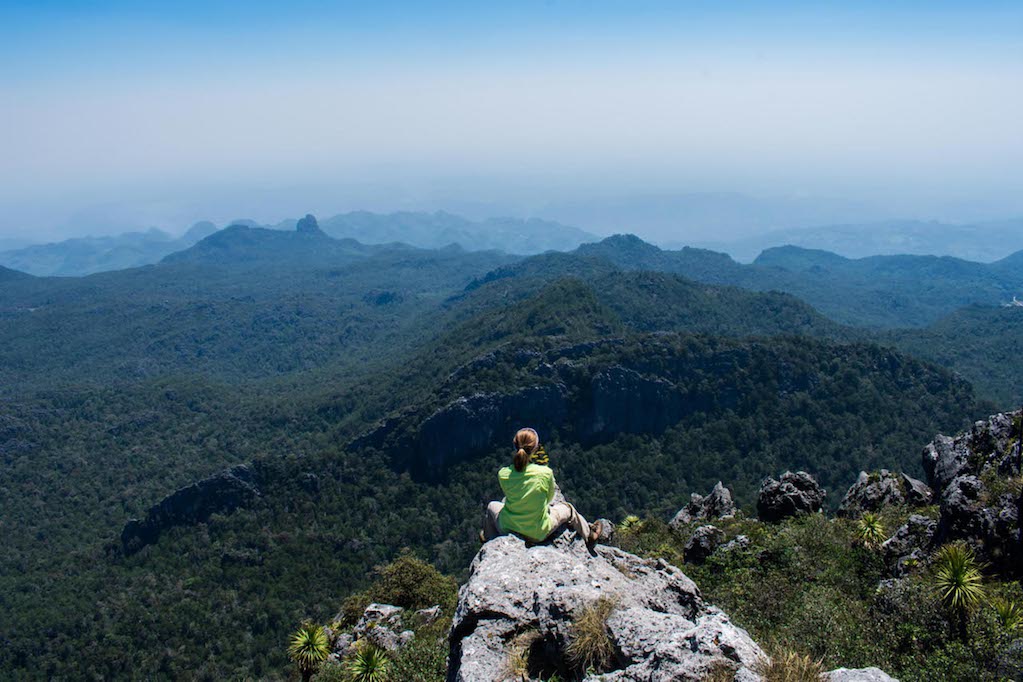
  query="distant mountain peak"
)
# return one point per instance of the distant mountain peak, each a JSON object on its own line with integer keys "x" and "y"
{"x": 309, "y": 225}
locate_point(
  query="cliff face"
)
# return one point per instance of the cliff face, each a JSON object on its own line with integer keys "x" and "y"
{"x": 587, "y": 393}
{"x": 193, "y": 504}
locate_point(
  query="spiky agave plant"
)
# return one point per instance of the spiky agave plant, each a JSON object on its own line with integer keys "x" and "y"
{"x": 959, "y": 580}
{"x": 308, "y": 648}
{"x": 870, "y": 530}
{"x": 630, "y": 522}
{"x": 369, "y": 664}
{"x": 1009, "y": 613}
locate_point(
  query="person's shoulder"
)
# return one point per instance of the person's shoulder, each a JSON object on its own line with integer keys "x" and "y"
{"x": 540, "y": 470}
{"x": 504, "y": 472}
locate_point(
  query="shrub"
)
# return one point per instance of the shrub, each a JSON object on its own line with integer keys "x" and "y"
{"x": 408, "y": 582}
{"x": 590, "y": 645}
{"x": 412, "y": 583}
{"x": 331, "y": 671}
{"x": 425, "y": 658}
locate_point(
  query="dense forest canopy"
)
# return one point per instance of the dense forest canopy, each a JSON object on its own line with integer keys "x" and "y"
{"x": 336, "y": 369}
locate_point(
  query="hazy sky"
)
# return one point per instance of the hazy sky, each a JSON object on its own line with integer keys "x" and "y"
{"x": 128, "y": 114}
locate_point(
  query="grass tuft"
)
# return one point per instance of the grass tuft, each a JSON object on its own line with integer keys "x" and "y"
{"x": 590, "y": 646}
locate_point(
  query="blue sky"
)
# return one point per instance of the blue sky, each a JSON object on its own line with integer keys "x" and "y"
{"x": 116, "y": 114}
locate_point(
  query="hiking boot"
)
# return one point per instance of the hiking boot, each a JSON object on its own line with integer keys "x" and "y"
{"x": 595, "y": 531}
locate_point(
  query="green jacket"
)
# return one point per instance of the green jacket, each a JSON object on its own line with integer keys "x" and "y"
{"x": 527, "y": 494}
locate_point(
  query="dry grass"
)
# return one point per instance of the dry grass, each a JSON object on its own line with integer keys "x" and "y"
{"x": 518, "y": 654}
{"x": 720, "y": 672}
{"x": 788, "y": 666}
{"x": 590, "y": 646}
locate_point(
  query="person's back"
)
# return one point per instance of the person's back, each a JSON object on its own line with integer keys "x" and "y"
{"x": 528, "y": 490}
{"x": 527, "y": 495}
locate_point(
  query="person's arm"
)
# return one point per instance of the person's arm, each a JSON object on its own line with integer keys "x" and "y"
{"x": 551, "y": 485}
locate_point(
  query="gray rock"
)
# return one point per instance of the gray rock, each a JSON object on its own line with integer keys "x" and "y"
{"x": 791, "y": 495}
{"x": 911, "y": 544}
{"x": 872, "y": 492}
{"x": 738, "y": 542}
{"x": 702, "y": 544}
{"x": 661, "y": 627}
{"x": 342, "y": 645}
{"x": 381, "y": 624}
{"x": 858, "y": 675}
{"x": 427, "y": 616}
{"x": 717, "y": 505}
{"x": 972, "y": 475}
{"x": 607, "y": 531}
{"x": 918, "y": 493}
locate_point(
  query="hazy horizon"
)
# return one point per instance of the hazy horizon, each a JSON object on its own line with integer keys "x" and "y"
{"x": 117, "y": 117}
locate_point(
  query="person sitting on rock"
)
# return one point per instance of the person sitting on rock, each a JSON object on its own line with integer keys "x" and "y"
{"x": 528, "y": 492}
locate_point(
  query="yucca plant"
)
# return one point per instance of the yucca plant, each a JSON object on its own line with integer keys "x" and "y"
{"x": 1009, "y": 613}
{"x": 369, "y": 664}
{"x": 308, "y": 649}
{"x": 959, "y": 581}
{"x": 870, "y": 530}
{"x": 630, "y": 523}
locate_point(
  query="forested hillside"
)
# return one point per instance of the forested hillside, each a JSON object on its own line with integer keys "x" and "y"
{"x": 881, "y": 291}
{"x": 372, "y": 390}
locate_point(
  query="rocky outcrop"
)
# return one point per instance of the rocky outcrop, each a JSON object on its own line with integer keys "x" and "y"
{"x": 872, "y": 492}
{"x": 858, "y": 675}
{"x": 519, "y": 605}
{"x": 308, "y": 225}
{"x": 976, "y": 476}
{"x": 717, "y": 505}
{"x": 702, "y": 544}
{"x": 222, "y": 493}
{"x": 791, "y": 495}
{"x": 911, "y": 544}
{"x": 380, "y": 624}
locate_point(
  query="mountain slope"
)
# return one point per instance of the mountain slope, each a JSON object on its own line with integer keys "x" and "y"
{"x": 7, "y": 274}
{"x": 982, "y": 343}
{"x": 644, "y": 420}
{"x": 87, "y": 255}
{"x": 881, "y": 291}
{"x": 982, "y": 242}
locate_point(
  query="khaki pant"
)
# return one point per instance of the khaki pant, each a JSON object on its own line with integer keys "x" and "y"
{"x": 561, "y": 513}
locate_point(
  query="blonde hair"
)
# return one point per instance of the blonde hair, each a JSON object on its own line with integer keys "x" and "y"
{"x": 527, "y": 441}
